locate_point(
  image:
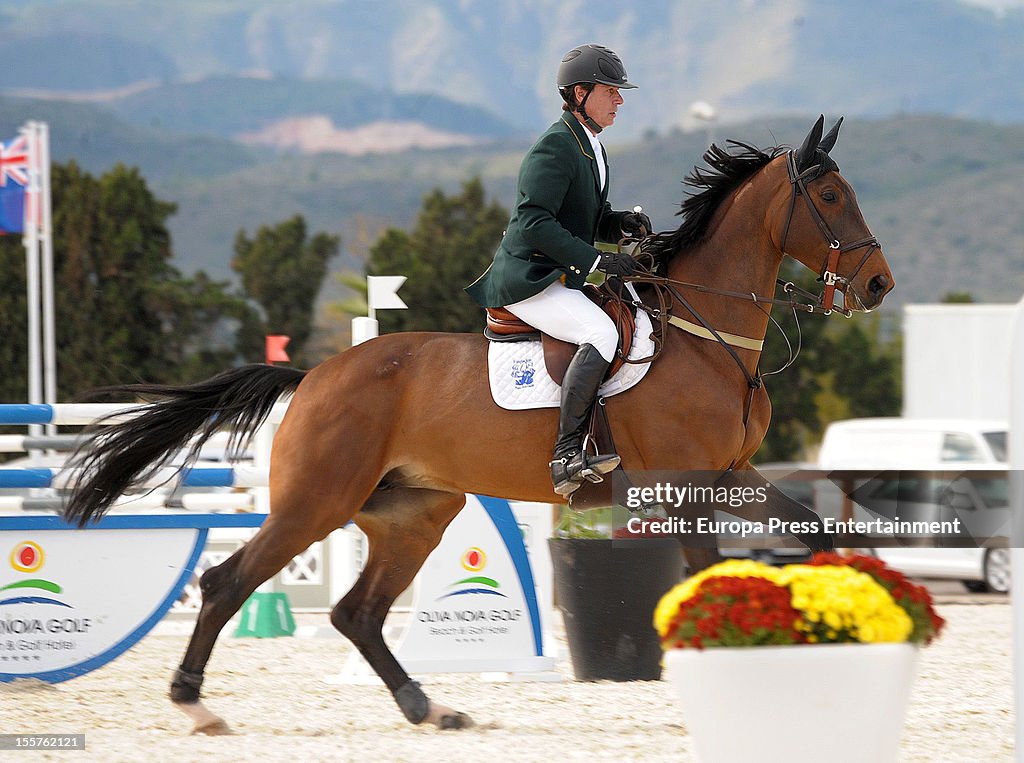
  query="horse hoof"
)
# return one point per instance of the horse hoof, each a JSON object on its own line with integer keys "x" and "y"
{"x": 446, "y": 718}
{"x": 203, "y": 721}
{"x": 455, "y": 721}
{"x": 213, "y": 728}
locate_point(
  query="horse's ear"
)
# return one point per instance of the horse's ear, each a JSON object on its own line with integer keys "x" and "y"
{"x": 806, "y": 152}
{"x": 829, "y": 140}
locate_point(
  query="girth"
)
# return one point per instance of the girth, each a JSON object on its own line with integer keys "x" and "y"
{"x": 503, "y": 326}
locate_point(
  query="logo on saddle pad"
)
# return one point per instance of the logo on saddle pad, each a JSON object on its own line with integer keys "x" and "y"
{"x": 523, "y": 372}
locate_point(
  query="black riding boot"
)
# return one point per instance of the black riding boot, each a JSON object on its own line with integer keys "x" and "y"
{"x": 571, "y": 464}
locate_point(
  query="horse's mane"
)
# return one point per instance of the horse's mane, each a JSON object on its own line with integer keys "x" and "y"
{"x": 727, "y": 171}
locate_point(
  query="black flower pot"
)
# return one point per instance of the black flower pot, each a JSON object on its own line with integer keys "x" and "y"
{"x": 607, "y": 591}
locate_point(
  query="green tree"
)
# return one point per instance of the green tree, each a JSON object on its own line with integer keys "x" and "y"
{"x": 865, "y": 368}
{"x": 282, "y": 270}
{"x": 122, "y": 312}
{"x": 13, "y": 356}
{"x": 452, "y": 243}
{"x": 207, "y": 320}
{"x": 125, "y": 312}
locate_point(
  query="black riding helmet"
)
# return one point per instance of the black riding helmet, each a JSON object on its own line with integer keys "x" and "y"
{"x": 590, "y": 65}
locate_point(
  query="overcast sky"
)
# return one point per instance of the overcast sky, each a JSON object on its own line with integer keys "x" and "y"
{"x": 998, "y": 5}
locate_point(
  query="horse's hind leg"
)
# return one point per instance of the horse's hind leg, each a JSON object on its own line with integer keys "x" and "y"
{"x": 225, "y": 588}
{"x": 403, "y": 525}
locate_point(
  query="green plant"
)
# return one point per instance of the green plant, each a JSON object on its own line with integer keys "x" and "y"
{"x": 573, "y": 523}
{"x": 608, "y": 522}
{"x": 589, "y": 523}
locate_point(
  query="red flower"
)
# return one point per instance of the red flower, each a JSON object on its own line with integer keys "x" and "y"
{"x": 730, "y": 611}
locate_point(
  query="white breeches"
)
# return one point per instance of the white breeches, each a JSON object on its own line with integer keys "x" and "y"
{"x": 567, "y": 314}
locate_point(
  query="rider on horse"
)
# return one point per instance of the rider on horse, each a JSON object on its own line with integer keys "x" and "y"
{"x": 548, "y": 248}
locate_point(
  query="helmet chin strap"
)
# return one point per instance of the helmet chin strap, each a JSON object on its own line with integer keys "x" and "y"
{"x": 587, "y": 119}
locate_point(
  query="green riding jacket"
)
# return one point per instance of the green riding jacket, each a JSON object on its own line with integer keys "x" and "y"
{"x": 560, "y": 211}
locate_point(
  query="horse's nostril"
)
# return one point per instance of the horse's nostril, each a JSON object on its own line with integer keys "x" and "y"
{"x": 878, "y": 285}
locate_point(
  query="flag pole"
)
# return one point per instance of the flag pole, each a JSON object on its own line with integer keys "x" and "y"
{"x": 46, "y": 232}
{"x": 30, "y": 238}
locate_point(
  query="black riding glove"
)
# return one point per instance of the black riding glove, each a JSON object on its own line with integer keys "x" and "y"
{"x": 616, "y": 264}
{"x": 636, "y": 224}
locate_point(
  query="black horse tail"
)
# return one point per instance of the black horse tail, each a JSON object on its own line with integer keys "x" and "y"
{"x": 121, "y": 457}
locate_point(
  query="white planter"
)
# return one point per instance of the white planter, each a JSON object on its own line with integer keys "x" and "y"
{"x": 840, "y": 702}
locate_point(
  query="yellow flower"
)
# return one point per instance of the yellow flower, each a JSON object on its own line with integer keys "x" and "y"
{"x": 851, "y": 604}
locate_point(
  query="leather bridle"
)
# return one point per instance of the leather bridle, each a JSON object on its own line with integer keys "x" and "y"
{"x": 829, "y": 270}
{"x": 667, "y": 289}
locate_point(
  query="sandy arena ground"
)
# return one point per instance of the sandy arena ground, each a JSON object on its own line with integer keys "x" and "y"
{"x": 272, "y": 693}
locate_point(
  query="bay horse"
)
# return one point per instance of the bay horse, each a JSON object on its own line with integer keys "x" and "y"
{"x": 391, "y": 434}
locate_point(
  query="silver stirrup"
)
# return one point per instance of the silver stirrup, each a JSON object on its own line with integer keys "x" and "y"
{"x": 594, "y": 472}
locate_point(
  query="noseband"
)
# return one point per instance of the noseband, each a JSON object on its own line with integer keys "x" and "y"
{"x": 828, "y": 275}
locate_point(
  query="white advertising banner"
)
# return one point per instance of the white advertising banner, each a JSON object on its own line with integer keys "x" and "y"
{"x": 71, "y": 601}
{"x": 476, "y": 604}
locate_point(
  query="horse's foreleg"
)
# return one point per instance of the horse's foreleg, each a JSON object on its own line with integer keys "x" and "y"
{"x": 225, "y": 588}
{"x": 777, "y": 505}
{"x": 403, "y": 525}
{"x": 703, "y": 553}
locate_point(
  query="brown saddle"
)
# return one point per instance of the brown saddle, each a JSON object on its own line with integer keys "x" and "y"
{"x": 503, "y": 326}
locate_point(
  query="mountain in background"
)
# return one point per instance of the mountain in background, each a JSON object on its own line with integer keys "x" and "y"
{"x": 98, "y": 139}
{"x": 349, "y": 113}
{"x": 744, "y": 57}
{"x": 241, "y": 108}
{"x": 942, "y": 194}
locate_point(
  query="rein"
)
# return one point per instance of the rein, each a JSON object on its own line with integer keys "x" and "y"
{"x": 787, "y": 286}
{"x": 666, "y": 293}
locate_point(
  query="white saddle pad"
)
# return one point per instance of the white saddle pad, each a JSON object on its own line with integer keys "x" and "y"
{"x": 520, "y": 380}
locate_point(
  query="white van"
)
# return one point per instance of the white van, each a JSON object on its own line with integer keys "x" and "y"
{"x": 932, "y": 445}
{"x": 894, "y": 443}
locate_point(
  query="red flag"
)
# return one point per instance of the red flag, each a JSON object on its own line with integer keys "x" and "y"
{"x": 275, "y": 348}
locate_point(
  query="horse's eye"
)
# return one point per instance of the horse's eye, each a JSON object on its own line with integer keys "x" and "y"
{"x": 829, "y": 196}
